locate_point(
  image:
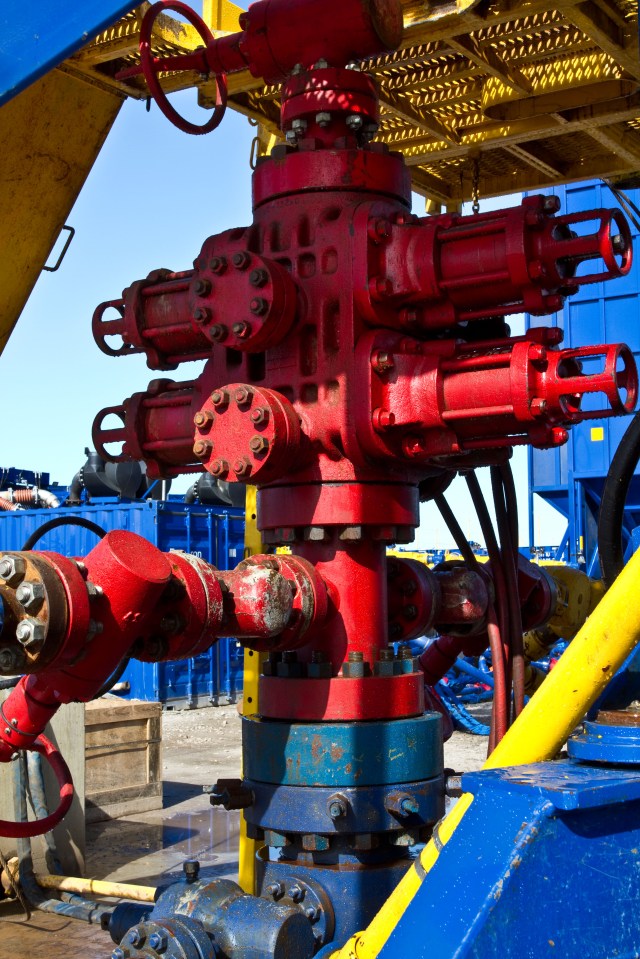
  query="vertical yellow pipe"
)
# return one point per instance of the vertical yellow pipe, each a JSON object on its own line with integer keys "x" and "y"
{"x": 571, "y": 688}
{"x": 247, "y": 848}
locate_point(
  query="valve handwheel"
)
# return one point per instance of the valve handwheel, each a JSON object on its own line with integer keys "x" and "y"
{"x": 26, "y": 830}
{"x": 151, "y": 66}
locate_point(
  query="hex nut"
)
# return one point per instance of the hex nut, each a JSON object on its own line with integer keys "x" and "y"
{"x": 30, "y": 595}
{"x": 158, "y": 941}
{"x": 203, "y": 419}
{"x": 218, "y": 264}
{"x": 10, "y": 660}
{"x": 220, "y": 397}
{"x": 12, "y": 569}
{"x": 29, "y": 632}
{"x": 241, "y": 260}
{"x": 135, "y": 937}
{"x": 258, "y": 444}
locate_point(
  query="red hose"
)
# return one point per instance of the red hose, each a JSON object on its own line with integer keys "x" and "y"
{"x": 25, "y": 830}
{"x": 500, "y": 718}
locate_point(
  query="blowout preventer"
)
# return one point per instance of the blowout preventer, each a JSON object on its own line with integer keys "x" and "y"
{"x": 355, "y": 356}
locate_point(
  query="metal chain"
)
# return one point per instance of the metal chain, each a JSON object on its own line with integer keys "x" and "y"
{"x": 475, "y": 185}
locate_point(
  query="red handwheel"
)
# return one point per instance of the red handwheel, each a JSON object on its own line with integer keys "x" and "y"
{"x": 151, "y": 66}
{"x": 25, "y": 830}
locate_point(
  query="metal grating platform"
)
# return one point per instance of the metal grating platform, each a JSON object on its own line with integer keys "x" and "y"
{"x": 524, "y": 95}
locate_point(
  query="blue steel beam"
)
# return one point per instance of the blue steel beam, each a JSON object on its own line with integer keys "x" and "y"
{"x": 35, "y": 37}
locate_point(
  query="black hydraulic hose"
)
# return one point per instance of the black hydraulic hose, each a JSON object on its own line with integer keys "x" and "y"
{"x": 9, "y": 682}
{"x": 455, "y": 529}
{"x": 509, "y": 556}
{"x": 511, "y": 500}
{"x": 612, "y": 505}
{"x": 63, "y": 521}
{"x": 114, "y": 678}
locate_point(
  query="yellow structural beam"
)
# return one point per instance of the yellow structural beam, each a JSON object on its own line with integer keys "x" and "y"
{"x": 572, "y": 687}
{"x": 51, "y": 135}
{"x": 248, "y": 848}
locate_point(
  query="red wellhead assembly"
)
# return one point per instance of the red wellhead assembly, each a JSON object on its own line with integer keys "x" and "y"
{"x": 356, "y": 356}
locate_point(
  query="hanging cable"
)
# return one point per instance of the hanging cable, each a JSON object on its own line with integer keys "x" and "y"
{"x": 612, "y": 504}
{"x": 499, "y": 629}
{"x": 509, "y": 560}
{"x": 462, "y": 543}
{"x": 63, "y": 521}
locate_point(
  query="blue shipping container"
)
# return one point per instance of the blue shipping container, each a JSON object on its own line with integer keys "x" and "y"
{"x": 216, "y": 533}
{"x": 571, "y": 478}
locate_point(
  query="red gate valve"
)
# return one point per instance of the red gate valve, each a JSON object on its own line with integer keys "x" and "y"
{"x": 233, "y": 297}
{"x": 443, "y": 398}
{"x": 278, "y": 37}
{"x": 436, "y": 272}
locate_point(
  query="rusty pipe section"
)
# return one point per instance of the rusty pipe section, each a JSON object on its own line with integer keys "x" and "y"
{"x": 59, "y": 612}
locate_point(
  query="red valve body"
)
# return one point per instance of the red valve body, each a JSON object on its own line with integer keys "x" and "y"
{"x": 326, "y": 387}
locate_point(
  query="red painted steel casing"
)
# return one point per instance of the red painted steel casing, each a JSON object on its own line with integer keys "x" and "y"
{"x": 352, "y": 699}
{"x": 324, "y": 384}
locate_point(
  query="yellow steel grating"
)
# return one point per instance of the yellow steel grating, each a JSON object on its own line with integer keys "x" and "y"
{"x": 512, "y": 93}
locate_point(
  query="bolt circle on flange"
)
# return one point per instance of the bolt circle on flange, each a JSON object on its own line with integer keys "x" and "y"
{"x": 36, "y": 610}
{"x": 251, "y": 433}
{"x": 238, "y": 287}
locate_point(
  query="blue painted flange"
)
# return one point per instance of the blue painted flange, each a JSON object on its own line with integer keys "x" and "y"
{"x": 602, "y": 743}
{"x": 343, "y": 754}
{"x": 352, "y": 809}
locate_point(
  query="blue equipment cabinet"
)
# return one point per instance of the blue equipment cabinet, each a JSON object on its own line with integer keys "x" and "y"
{"x": 216, "y": 533}
{"x": 571, "y": 478}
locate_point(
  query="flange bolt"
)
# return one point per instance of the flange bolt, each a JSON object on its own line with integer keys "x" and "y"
{"x": 158, "y": 941}
{"x": 12, "y": 569}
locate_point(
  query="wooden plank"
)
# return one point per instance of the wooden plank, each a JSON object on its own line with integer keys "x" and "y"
{"x": 123, "y": 758}
{"x": 123, "y": 733}
{"x": 106, "y": 711}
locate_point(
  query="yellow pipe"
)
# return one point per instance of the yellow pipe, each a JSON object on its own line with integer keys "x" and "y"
{"x": 571, "y": 688}
{"x": 97, "y": 887}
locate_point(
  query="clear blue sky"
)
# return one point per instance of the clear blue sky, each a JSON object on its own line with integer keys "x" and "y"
{"x": 151, "y": 199}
